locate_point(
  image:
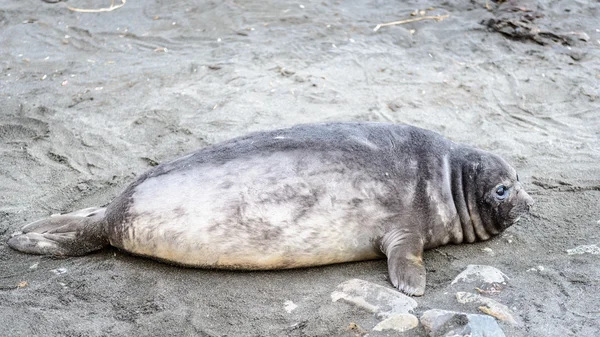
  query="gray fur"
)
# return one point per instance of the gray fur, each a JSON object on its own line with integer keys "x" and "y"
{"x": 374, "y": 189}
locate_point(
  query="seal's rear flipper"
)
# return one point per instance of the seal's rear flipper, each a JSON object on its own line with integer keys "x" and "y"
{"x": 71, "y": 234}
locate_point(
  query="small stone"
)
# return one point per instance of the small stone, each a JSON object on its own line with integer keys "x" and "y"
{"x": 490, "y": 307}
{"x": 34, "y": 266}
{"x": 398, "y": 322}
{"x": 538, "y": 268}
{"x": 449, "y": 323}
{"x": 486, "y": 274}
{"x": 488, "y": 251}
{"x": 377, "y": 299}
{"x": 59, "y": 271}
{"x": 589, "y": 249}
{"x": 289, "y": 306}
{"x": 356, "y": 329}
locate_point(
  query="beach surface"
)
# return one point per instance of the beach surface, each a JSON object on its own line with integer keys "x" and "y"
{"x": 88, "y": 101}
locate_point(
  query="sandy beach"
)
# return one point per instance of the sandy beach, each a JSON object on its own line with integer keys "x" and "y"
{"x": 90, "y": 100}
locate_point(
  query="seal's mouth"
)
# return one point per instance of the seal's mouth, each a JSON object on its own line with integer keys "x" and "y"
{"x": 508, "y": 223}
{"x": 517, "y": 212}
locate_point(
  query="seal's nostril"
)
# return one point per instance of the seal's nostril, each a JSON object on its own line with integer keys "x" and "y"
{"x": 530, "y": 204}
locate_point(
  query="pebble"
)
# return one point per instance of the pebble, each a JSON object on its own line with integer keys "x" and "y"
{"x": 450, "y": 323}
{"x": 59, "y": 271}
{"x": 538, "y": 268}
{"x": 589, "y": 249}
{"x": 489, "y": 306}
{"x": 289, "y": 306}
{"x": 382, "y": 301}
{"x": 489, "y": 251}
{"x": 486, "y": 274}
{"x": 398, "y": 322}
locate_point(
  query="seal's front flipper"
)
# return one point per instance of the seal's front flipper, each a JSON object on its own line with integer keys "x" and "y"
{"x": 404, "y": 251}
{"x": 72, "y": 234}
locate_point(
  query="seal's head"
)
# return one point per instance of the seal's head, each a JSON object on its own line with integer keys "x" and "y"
{"x": 499, "y": 195}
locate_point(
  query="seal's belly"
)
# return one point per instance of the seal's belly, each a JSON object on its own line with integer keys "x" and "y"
{"x": 283, "y": 210}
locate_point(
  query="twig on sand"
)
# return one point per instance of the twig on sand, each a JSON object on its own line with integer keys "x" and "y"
{"x": 98, "y": 10}
{"x": 431, "y": 17}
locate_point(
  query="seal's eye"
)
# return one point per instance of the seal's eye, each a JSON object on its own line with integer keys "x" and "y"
{"x": 501, "y": 192}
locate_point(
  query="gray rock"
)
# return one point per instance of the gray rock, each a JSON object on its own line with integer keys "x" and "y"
{"x": 59, "y": 271}
{"x": 382, "y": 301}
{"x": 398, "y": 322}
{"x": 442, "y": 323}
{"x": 489, "y": 306}
{"x": 480, "y": 273}
{"x": 489, "y": 251}
{"x": 589, "y": 249}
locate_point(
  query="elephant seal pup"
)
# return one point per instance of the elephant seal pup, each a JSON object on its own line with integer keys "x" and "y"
{"x": 304, "y": 196}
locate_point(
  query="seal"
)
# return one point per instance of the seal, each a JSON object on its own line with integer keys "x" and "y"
{"x": 303, "y": 196}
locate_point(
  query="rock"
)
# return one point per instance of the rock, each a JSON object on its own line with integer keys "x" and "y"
{"x": 486, "y": 274}
{"x": 538, "y": 268}
{"x": 490, "y": 307}
{"x": 489, "y": 251}
{"x": 59, "y": 271}
{"x": 289, "y": 306}
{"x": 589, "y": 249}
{"x": 398, "y": 322}
{"x": 382, "y": 301}
{"x": 444, "y": 323}
{"x": 355, "y": 330}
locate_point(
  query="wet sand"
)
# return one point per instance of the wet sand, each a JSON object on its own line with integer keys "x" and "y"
{"x": 90, "y": 100}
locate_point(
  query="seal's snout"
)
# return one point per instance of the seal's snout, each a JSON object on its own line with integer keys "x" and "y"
{"x": 528, "y": 201}
{"x": 525, "y": 199}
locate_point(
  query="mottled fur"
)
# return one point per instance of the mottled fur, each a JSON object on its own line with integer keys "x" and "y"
{"x": 304, "y": 196}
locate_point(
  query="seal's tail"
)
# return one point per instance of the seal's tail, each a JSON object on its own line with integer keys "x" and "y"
{"x": 71, "y": 234}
